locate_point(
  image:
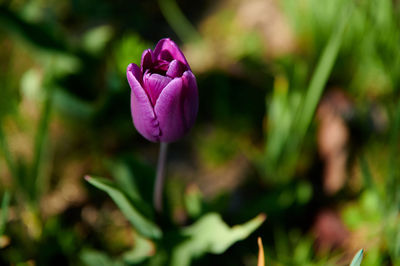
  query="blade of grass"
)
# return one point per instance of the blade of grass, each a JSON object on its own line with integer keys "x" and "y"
{"x": 392, "y": 183}
{"x": 178, "y": 22}
{"x": 308, "y": 104}
{"x": 4, "y": 211}
{"x": 357, "y": 258}
{"x": 39, "y": 148}
{"x": 368, "y": 179}
{"x": 7, "y": 154}
{"x": 321, "y": 74}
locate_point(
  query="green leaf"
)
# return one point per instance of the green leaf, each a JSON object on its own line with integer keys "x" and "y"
{"x": 211, "y": 234}
{"x": 193, "y": 201}
{"x": 124, "y": 179}
{"x": 141, "y": 224}
{"x": 142, "y": 249}
{"x": 357, "y": 258}
{"x": 97, "y": 258}
{"x": 95, "y": 40}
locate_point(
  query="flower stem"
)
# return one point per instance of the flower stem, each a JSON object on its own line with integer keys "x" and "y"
{"x": 159, "y": 183}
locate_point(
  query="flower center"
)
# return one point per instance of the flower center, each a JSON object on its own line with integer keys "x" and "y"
{"x": 153, "y": 84}
{"x": 159, "y": 72}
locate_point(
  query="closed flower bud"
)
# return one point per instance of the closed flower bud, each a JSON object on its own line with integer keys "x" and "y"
{"x": 164, "y": 96}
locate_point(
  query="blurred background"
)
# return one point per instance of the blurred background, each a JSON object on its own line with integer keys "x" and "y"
{"x": 299, "y": 119}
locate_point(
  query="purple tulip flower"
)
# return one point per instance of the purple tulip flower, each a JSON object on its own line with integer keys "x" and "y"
{"x": 164, "y": 96}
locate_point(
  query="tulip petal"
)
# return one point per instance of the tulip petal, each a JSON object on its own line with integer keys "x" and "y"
{"x": 143, "y": 114}
{"x": 167, "y": 50}
{"x": 134, "y": 74}
{"x": 175, "y": 69}
{"x": 169, "y": 111}
{"x": 154, "y": 84}
{"x": 147, "y": 60}
{"x": 191, "y": 98}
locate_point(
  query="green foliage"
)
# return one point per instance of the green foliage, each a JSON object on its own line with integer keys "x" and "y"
{"x": 294, "y": 249}
{"x": 93, "y": 258}
{"x": 211, "y": 234}
{"x": 178, "y": 21}
{"x": 141, "y": 223}
{"x": 291, "y": 112}
{"x": 142, "y": 250}
{"x": 321, "y": 75}
{"x": 193, "y": 201}
{"x": 96, "y": 39}
{"x": 208, "y": 235}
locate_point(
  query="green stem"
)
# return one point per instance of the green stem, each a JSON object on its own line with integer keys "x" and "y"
{"x": 160, "y": 176}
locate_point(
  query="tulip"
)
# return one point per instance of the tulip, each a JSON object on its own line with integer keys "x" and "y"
{"x": 164, "y": 96}
{"x": 164, "y": 101}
